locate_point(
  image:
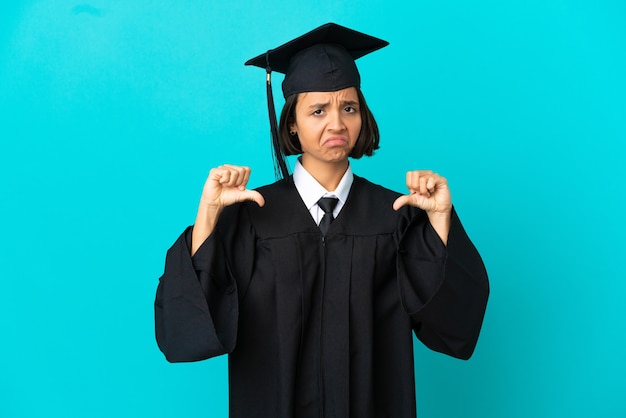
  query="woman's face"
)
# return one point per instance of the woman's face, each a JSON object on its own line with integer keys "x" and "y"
{"x": 328, "y": 124}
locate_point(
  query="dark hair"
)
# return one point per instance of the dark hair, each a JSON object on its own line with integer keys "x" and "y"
{"x": 366, "y": 144}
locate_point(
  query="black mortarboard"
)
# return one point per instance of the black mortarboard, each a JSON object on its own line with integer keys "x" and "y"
{"x": 320, "y": 60}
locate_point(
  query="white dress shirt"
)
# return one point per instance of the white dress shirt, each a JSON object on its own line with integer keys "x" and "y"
{"x": 311, "y": 191}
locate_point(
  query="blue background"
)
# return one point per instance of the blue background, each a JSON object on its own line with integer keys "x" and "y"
{"x": 112, "y": 113}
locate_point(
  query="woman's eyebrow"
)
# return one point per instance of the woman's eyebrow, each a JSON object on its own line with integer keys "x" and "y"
{"x": 343, "y": 103}
{"x": 319, "y": 105}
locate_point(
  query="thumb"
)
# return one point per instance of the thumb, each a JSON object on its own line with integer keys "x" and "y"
{"x": 401, "y": 201}
{"x": 254, "y": 196}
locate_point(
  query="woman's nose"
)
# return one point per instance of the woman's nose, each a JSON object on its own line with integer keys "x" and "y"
{"x": 336, "y": 122}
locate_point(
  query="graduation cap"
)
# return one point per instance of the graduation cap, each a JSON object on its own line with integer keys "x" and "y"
{"x": 320, "y": 60}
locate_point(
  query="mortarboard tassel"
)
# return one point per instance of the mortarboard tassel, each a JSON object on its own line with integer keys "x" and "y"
{"x": 280, "y": 164}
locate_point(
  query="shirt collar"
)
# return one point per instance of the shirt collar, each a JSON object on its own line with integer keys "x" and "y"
{"x": 311, "y": 191}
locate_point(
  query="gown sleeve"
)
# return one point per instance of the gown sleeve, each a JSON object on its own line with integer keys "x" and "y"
{"x": 444, "y": 289}
{"x": 196, "y": 305}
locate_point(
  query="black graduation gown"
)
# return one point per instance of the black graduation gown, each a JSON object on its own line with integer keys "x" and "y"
{"x": 321, "y": 327}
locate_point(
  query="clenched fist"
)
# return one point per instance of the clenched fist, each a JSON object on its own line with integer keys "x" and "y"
{"x": 225, "y": 186}
{"x": 429, "y": 191}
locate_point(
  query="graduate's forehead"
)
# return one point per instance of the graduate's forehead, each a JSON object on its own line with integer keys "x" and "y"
{"x": 347, "y": 95}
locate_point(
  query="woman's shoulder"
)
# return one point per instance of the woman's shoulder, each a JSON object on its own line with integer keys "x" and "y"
{"x": 284, "y": 211}
{"x": 362, "y": 184}
{"x": 278, "y": 187}
{"x": 376, "y": 196}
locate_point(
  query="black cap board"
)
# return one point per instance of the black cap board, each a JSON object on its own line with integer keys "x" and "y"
{"x": 320, "y": 60}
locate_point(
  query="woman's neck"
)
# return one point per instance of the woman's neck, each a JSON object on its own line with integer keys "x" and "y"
{"x": 328, "y": 174}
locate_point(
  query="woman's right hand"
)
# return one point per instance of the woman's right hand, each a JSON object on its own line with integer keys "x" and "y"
{"x": 224, "y": 186}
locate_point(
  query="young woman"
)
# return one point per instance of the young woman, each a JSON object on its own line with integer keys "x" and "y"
{"x": 314, "y": 285}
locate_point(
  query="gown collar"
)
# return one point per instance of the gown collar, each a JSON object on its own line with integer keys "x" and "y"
{"x": 311, "y": 191}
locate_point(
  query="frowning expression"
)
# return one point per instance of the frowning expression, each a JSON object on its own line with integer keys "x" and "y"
{"x": 328, "y": 124}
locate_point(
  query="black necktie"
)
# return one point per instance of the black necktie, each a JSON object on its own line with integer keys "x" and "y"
{"x": 328, "y": 205}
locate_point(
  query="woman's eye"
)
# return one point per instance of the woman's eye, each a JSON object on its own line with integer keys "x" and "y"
{"x": 318, "y": 112}
{"x": 350, "y": 109}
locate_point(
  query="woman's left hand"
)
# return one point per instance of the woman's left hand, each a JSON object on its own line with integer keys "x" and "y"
{"x": 429, "y": 191}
